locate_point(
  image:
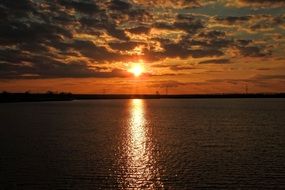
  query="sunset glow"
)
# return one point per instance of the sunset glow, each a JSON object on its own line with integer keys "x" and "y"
{"x": 137, "y": 70}
{"x": 190, "y": 47}
{"x": 142, "y": 94}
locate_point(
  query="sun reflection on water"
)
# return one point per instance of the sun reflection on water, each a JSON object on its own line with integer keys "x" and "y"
{"x": 141, "y": 167}
{"x": 137, "y": 130}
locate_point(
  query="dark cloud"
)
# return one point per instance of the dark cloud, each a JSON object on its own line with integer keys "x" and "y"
{"x": 191, "y": 26}
{"x": 51, "y": 68}
{"x": 244, "y": 42}
{"x": 266, "y": 22}
{"x": 231, "y": 81}
{"x": 247, "y": 48}
{"x": 176, "y": 50}
{"x": 94, "y": 24}
{"x": 85, "y": 7}
{"x": 18, "y": 8}
{"x": 166, "y": 84}
{"x": 139, "y": 30}
{"x": 119, "y": 5}
{"x": 17, "y": 64}
{"x": 253, "y": 51}
{"x": 263, "y": 69}
{"x": 183, "y": 49}
{"x": 70, "y": 71}
{"x": 180, "y": 67}
{"x": 259, "y": 80}
{"x": 206, "y": 53}
{"x": 123, "y": 46}
{"x": 253, "y": 23}
{"x": 124, "y": 11}
{"x": 269, "y": 77}
{"x": 233, "y": 19}
{"x": 174, "y": 67}
{"x": 263, "y": 3}
{"x": 216, "y": 61}
{"x": 61, "y": 38}
{"x": 97, "y": 53}
{"x": 25, "y": 32}
{"x": 214, "y": 34}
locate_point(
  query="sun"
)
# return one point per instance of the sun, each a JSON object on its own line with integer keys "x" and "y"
{"x": 137, "y": 70}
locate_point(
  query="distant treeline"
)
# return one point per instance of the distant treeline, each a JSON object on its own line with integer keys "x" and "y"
{"x": 63, "y": 96}
{"x": 35, "y": 97}
{"x": 176, "y": 96}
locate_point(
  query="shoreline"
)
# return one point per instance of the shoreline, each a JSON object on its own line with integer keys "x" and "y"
{"x": 28, "y": 97}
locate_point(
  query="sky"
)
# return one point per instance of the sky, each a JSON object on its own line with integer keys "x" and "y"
{"x": 184, "y": 46}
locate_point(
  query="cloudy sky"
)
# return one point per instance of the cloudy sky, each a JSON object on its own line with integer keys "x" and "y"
{"x": 187, "y": 46}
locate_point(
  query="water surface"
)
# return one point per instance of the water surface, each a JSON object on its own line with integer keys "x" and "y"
{"x": 143, "y": 144}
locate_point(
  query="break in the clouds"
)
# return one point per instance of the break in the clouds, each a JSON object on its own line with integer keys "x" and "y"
{"x": 96, "y": 38}
{"x": 262, "y": 3}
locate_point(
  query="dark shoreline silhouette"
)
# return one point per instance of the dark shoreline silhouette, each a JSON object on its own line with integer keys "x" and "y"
{"x": 6, "y": 97}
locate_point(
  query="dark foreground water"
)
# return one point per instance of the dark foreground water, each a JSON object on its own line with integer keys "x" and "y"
{"x": 143, "y": 144}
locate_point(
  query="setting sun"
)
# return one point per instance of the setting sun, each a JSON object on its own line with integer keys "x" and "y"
{"x": 137, "y": 70}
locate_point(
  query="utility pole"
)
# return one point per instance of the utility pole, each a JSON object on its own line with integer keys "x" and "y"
{"x": 166, "y": 90}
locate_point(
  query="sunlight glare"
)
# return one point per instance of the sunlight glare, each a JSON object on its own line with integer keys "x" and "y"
{"x": 141, "y": 165}
{"x": 137, "y": 70}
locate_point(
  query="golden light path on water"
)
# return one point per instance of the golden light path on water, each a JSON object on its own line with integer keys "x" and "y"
{"x": 141, "y": 164}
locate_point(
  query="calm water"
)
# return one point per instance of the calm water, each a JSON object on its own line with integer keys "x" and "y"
{"x": 143, "y": 144}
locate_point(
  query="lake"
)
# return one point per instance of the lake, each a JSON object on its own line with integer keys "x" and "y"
{"x": 143, "y": 144}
